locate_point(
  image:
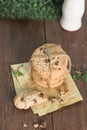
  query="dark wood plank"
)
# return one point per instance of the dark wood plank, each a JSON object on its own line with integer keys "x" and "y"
{"x": 73, "y": 117}
{"x": 18, "y": 39}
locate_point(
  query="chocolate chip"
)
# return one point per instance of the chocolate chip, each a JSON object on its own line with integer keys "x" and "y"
{"x": 41, "y": 78}
{"x": 41, "y": 48}
{"x": 22, "y": 98}
{"x": 67, "y": 90}
{"x": 56, "y": 62}
{"x": 47, "y": 60}
{"x": 41, "y": 95}
{"x": 57, "y": 57}
{"x": 35, "y": 101}
{"x": 31, "y": 61}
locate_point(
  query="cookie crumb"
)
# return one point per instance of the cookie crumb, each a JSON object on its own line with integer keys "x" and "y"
{"x": 36, "y": 125}
{"x": 60, "y": 100}
{"x": 40, "y": 124}
{"x": 61, "y": 92}
{"x": 43, "y": 124}
{"x": 52, "y": 99}
{"x": 25, "y": 125}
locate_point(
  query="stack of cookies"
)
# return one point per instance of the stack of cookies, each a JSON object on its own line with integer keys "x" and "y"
{"x": 49, "y": 65}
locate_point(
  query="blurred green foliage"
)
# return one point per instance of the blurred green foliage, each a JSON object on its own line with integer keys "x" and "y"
{"x": 30, "y": 9}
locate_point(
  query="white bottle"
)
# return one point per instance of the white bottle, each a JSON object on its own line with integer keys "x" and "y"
{"x": 72, "y": 12}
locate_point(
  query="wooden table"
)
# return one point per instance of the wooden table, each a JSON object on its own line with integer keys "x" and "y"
{"x": 18, "y": 39}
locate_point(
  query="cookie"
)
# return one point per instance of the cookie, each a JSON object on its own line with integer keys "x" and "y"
{"x": 27, "y": 99}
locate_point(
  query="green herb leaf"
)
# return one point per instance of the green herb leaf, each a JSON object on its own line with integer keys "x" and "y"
{"x": 17, "y": 73}
{"x": 77, "y": 75}
{"x": 84, "y": 77}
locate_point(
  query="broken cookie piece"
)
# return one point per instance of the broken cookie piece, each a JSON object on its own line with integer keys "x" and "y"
{"x": 27, "y": 99}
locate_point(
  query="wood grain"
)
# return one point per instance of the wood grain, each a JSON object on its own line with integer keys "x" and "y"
{"x": 18, "y": 39}
{"x": 72, "y": 117}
